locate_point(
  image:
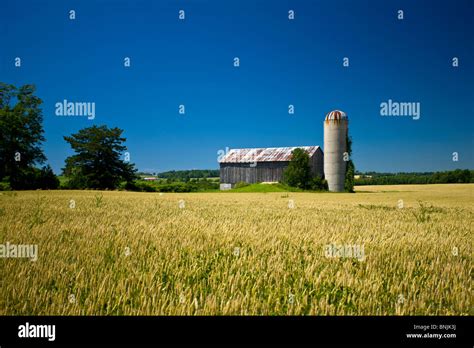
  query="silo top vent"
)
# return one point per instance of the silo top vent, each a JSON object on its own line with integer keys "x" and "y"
{"x": 336, "y": 115}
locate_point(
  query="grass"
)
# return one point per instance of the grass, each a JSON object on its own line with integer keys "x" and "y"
{"x": 126, "y": 253}
{"x": 265, "y": 188}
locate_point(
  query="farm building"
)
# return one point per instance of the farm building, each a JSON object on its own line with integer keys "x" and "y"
{"x": 263, "y": 164}
{"x": 268, "y": 164}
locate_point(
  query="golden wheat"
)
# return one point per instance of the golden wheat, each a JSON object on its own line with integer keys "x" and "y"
{"x": 123, "y": 253}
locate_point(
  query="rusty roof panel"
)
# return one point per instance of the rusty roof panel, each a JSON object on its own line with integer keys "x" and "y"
{"x": 269, "y": 154}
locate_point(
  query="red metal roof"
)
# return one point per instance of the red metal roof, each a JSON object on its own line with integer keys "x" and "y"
{"x": 269, "y": 154}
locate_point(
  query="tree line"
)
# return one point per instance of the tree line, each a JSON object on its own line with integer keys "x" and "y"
{"x": 447, "y": 177}
{"x": 187, "y": 175}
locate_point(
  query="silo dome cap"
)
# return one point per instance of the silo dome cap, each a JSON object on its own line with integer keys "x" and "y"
{"x": 336, "y": 115}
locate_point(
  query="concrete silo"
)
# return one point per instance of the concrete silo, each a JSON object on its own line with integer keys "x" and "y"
{"x": 335, "y": 132}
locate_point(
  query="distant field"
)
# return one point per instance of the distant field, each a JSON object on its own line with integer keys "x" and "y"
{"x": 115, "y": 253}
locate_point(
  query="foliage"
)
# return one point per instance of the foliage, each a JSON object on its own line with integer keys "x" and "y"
{"x": 186, "y": 175}
{"x": 318, "y": 184}
{"x": 298, "y": 172}
{"x": 5, "y": 185}
{"x": 454, "y": 176}
{"x": 241, "y": 184}
{"x": 205, "y": 184}
{"x": 97, "y": 162}
{"x": 177, "y": 186}
{"x": 35, "y": 178}
{"x": 349, "y": 181}
{"x": 350, "y": 168}
{"x": 21, "y": 138}
{"x": 45, "y": 179}
{"x": 264, "y": 188}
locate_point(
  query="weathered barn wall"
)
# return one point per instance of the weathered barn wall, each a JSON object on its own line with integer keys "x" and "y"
{"x": 263, "y": 171}
{"x": 317, "y": 163}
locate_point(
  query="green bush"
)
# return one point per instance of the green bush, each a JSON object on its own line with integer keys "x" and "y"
{"x": 5, "y": 185}
{"x": 241, "y": 184}
{"x": 205, "y": 184}
{"x": 298, "y": 172}
{"x": 34, "y": 178}
{"x": 349, "y": 180}
{"x": 46, "y": 180}
{"x": 177, "y": 186}
{"x": 142, "y": 186}
{"x": 318, "y": 184}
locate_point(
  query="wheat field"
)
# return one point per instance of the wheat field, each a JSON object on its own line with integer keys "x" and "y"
{"x": 124, "y": 253}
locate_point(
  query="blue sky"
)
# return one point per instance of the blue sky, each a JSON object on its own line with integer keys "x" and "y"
{"x": 282, "y": 62}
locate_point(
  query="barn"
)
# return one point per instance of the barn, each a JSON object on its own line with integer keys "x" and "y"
{"x": 263, "y": 164}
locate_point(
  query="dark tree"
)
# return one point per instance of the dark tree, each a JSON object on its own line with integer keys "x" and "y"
{"x": 298, "y": 172}
{"x": 21, "y": 135}
{"x": 97, "y": 162}
{"x": 350, "y": 168}
{"x": 45, "y": 178}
